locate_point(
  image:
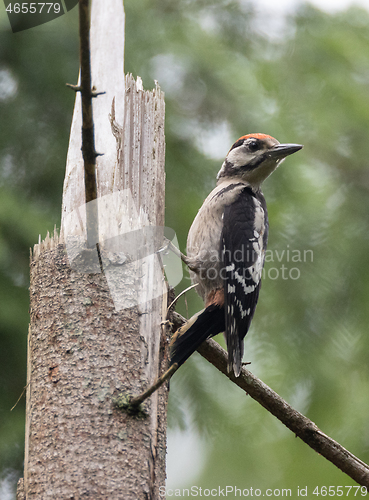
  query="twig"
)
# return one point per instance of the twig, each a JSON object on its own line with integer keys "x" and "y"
{"x": 88, "y": 140}
{"x": 180, "y": 295}
{"x": 137, "y": 400}
{"x": 78, "y": 88}
{"x": 20, "y": 397}
{"x": 131, "y": 404}
{"x": 300, "y": 425}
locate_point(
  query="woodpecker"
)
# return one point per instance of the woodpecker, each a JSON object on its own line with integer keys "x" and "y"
{"x": 226, "y": 248}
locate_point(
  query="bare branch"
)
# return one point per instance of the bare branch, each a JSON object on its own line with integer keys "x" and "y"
{"x": 300, "y": 425}
{"x": 180, "y": 295}
{"x": 291, "y": 418}
{"x": 135, "y": 402}
{"x": 88, "y": 140}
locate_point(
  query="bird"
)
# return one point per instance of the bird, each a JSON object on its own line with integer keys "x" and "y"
{"x": 226, "y": 247}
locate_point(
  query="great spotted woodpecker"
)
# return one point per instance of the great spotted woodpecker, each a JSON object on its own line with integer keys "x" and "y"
{"x": 226, "y": 248}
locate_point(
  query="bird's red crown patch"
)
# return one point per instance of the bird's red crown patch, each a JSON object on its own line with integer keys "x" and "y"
{"x": 257, "y": 136}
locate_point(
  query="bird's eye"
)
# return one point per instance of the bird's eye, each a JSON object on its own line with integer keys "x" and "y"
{"x": 253, "y": 145}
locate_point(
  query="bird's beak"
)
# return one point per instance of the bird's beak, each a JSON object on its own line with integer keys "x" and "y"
{"x": 283, "y": 150}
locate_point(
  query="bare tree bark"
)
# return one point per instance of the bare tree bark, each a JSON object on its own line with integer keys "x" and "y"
{"x": 82, "y": 352}
{"x": 94, "y": 335}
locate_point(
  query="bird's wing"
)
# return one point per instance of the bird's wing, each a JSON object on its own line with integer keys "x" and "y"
{"x": 243, "y": 243}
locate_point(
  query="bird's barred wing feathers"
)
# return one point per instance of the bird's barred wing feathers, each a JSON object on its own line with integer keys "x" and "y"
{"x": 243, "y": 244}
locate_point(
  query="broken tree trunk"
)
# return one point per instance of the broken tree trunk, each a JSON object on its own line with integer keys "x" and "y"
{"x": 96, "y": 334}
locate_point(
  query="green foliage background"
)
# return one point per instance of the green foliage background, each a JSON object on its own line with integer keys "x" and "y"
{"x": 224, "y": 75}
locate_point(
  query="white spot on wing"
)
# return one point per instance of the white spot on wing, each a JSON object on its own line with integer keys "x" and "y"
{"x": 246, "y": 288}
{"x": 259, "y": 219}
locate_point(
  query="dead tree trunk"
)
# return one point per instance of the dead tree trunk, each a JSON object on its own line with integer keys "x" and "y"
{"x": 95, "y": 334}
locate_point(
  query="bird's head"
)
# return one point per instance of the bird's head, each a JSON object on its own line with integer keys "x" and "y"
{"x": 254, "y": 157}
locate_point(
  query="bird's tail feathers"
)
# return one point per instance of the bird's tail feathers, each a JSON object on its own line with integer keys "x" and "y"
{"x": 235, "y": 355}
{"x": 203, "y": 325}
